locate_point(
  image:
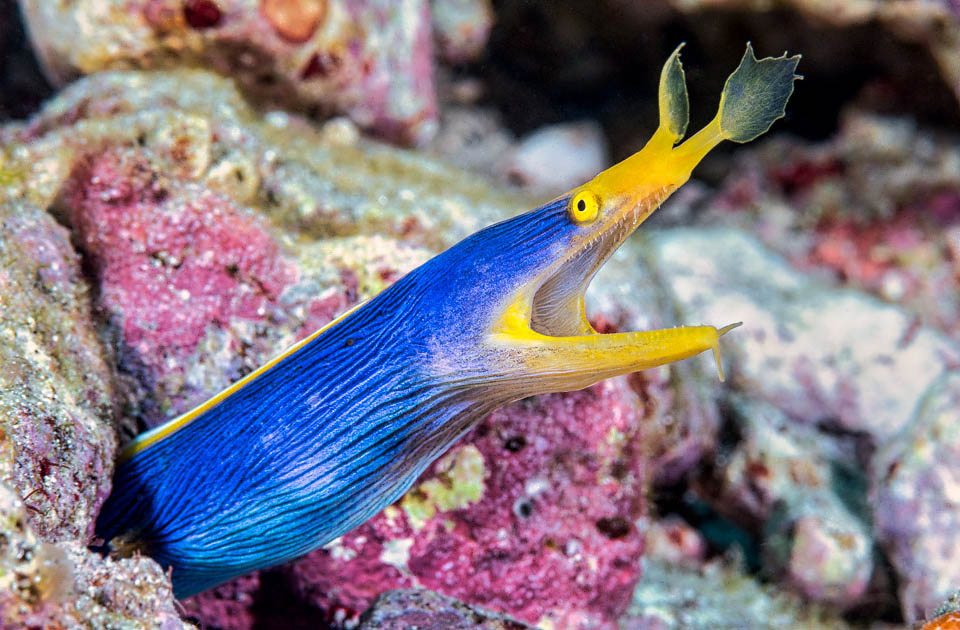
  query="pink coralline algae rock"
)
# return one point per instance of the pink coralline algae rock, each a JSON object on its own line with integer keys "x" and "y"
{"x": 175, "y": 266}
{"x": 196, "y": 289}
{"x": 370, "y": 59}
{"x": 916, "y": 485}
{"x": 532, "y": 515}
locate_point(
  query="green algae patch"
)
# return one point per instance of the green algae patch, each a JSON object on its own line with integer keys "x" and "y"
{"x": 7, "y": 177}
{"x": 457, "y": 484}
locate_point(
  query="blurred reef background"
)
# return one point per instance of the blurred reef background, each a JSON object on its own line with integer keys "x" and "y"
{"x": 189, "y": 186}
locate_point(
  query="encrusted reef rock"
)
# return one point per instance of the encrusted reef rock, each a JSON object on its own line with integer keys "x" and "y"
{"x": 57, "y": 442}
{"x": 716, "y": 596}
{"x": 827, "y": 357}
{"x": 427, "y": 610}
{"x": 63, "y": 585}
{"x": 370, "y": 59}
{"x": 681, "y": 590}
{"x": 914, "y": 497}
{"x": 817, "y": 352}
{"x": 795, "y": 484}
{"x": 824, "y": 375}
{"x": 318, "y": 183}
{"x": 837, "y": 373}
{"x": 55, "y": 394}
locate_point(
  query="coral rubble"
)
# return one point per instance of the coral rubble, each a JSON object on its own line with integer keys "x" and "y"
{"x": 370, "y": 59}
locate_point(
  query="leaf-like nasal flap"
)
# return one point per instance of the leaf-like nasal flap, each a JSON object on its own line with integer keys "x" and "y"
{"x": 674, "y": 104}
{"x": 756, "y": 95}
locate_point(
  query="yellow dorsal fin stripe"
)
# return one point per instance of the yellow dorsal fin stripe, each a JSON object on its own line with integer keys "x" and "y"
{"x": 148, "y": 438}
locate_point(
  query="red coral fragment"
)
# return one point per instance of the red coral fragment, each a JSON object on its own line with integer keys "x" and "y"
{"x": 202, "y": 14}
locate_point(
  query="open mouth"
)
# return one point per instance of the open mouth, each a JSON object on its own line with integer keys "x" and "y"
{"x": 557, "y": 309}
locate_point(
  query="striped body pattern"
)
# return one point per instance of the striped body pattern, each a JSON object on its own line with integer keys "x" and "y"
{"x": 339, "y": 426}
{"x": 325, "y": 438}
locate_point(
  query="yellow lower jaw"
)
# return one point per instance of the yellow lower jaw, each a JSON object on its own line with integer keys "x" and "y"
{"x": 549, "y": 364}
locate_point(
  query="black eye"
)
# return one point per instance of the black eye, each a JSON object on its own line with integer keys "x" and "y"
{"x": 584, "y": 207}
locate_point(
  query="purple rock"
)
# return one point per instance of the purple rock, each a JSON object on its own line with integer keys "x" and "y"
{"x": 295, "y": 52}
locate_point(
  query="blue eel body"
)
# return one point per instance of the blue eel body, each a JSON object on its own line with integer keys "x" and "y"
{"x": 317, "y": 461}
{"x": 339, "y": 426}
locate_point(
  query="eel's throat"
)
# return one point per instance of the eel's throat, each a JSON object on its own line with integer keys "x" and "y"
{"x": 557, "y": 307}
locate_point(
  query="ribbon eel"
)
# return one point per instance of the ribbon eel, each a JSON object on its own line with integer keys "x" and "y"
{"x": 330, "y": 432}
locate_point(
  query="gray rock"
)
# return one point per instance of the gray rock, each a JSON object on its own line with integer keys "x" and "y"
{"x": 426, "y": 610}
{"x": 780, "y": 479}
{"x": 716, "y": 597}
{"x": 916, "y": 500}
{"x": 819, "y": 353}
